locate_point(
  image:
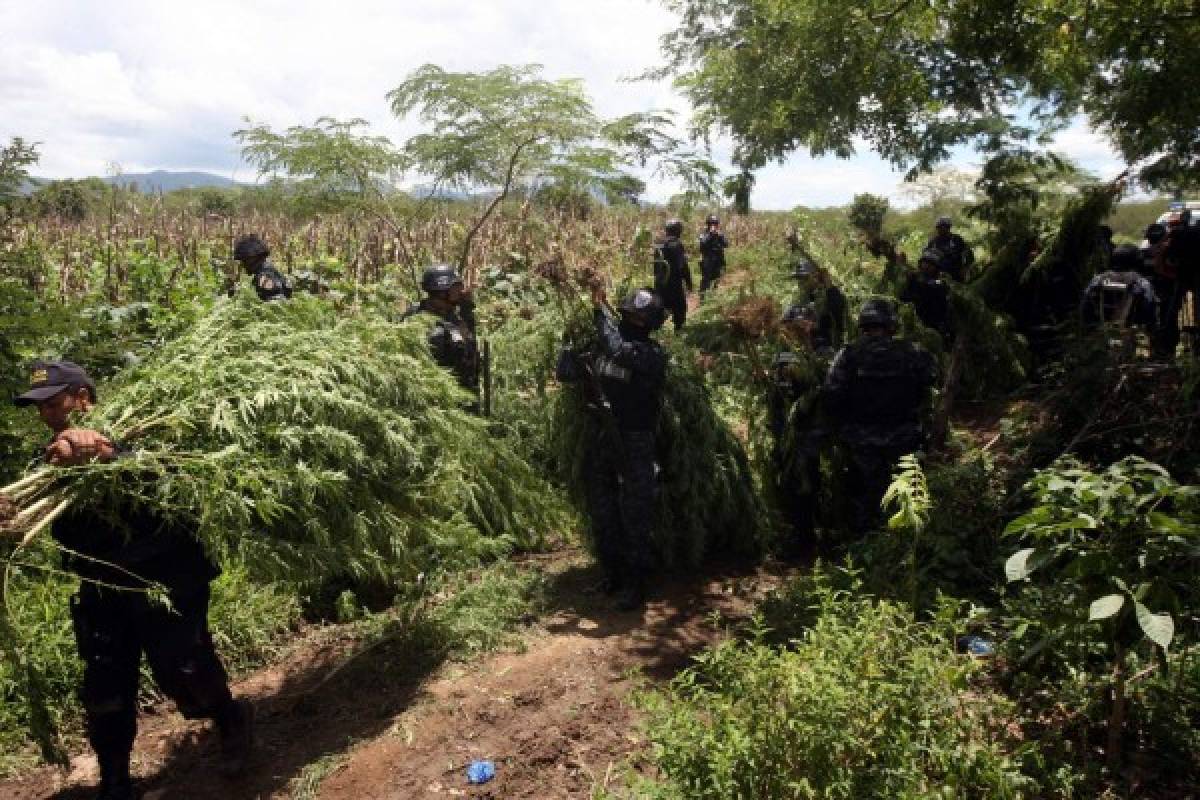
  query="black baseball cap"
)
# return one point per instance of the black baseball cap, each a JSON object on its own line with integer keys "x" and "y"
{"x": 48, "y": 378}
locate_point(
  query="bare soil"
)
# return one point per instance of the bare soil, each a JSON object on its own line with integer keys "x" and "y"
{"x": 554, "y": 714}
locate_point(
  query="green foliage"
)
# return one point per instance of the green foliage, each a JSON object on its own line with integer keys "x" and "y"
{"x": 867, "y": 212}
{"x": 907, "y": 497}
{"x": 865, "y": 704}
{"x": 15, "y": 160}
{"x": 1117, "y": 546}
{"x": 311, "y": 444}
{"x": 1109, "y": 570}
{"x": 915, "y": 79}
{"x": 331, "y": 163}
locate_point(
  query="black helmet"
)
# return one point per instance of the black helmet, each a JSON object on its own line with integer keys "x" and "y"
{"x": 877, "y": 313}
{"x": 673, "y": 227}
{"x": 803, "y": 268}
{"x": 439, "y": 278}
{"x": 249, "y": 247}
{"x": 931, "y": 255}
{"x": 800, "y": 313}
{"x": 711, "y": 219}
{"x": 1126, "y": 258}
{"x": 643, "y": 308}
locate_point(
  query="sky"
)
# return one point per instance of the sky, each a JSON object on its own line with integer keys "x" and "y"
{"x": 162, "y": 85}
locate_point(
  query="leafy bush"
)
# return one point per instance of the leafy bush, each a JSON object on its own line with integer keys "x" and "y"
{"x": 1109, "y": 571}
{"x": 867, "y": 704}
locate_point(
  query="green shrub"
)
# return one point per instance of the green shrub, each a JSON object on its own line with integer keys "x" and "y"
{"x": 866, "y": 704}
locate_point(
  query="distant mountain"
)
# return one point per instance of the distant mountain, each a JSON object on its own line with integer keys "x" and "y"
{"x": 163, "y": 181}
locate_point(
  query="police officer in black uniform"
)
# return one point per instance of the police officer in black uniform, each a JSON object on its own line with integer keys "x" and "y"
{"x": 119, "y": 554}
{"x": 626, "y": 371}
{"x": 672, "y": 276}
{"x": 815, "y": 289}
{"x": 452, "y": 337}
{"x": 797, "y": 429}
{"x": 270, "y": 284}
{"x": 955, "y": 256}
{"x": 929, "y": 294}
{"x": 712, "y": 253}
{"x": 875, "y": 392}
{"x": 1121, "y": 294}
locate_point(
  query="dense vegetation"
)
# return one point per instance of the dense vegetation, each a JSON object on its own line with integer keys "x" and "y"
{"x": 1026, "y": 623}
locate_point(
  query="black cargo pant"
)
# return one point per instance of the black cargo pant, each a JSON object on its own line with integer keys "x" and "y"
{"x": 621, "y": 503}
{"x": 675, "y": 300}
{"x": 872, "y": 462}
{"x": 799, "y": 486}
{"x": 112, "y": 630}
{"x": 710, "y": 273}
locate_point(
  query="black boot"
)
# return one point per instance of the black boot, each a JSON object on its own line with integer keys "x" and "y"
{"x": 115, "y": 781}
{"x": 633, "y": 596}
{"x": 236, "y": 727}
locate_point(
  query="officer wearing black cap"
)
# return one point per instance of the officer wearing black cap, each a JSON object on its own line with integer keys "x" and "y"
{"x": 119, "y": 554}
{"x": 797, "y": 430}
{"x": 816, "y": 289}
{"x": 875, "y": 392}
{"x": 672, "y": 276}
{"x": 270, "y": 284}
{"x": 929, "y": 294}
{"x": 712, "y": 253}
{"x": 955, "y": 256}
{"x": 626, "y": 371}
{"x": 452, "y": 337}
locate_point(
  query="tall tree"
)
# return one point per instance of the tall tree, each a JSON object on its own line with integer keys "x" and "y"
{"x": 913, "y": 79}
{"x": 510, "y": 127}
{"x": 331, "y": 163}
{"x": 15, "y": 161}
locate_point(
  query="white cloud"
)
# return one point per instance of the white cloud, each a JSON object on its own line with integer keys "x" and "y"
{"x": 162, "y": 85}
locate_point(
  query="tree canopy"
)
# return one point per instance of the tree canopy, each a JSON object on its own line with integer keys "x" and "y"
{"x": 913, "y": 80}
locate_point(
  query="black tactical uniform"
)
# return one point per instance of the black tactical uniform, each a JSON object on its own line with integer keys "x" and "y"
{"x": 1125, "y": 298}
{"x": 712, "y": 254}
{"x": 118, "y": 553}
{"x": 875, "y": 392}
{"x": 629, "y": 370}
{"x": 1178, "y": 272}
{"x": 797, "y": 430}
{"x": 955, "y": 256}
{"x": 929, "y": 295}
{"x": 269, "y": 283}
{"x": 673, "y": 277}
{"x": 828, "y": 302}
{"x": 452, "y": 337}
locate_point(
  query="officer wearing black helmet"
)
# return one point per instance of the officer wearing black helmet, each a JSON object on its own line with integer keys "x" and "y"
{"x": 875, "y": 392}
{"x": 452, "y": 337}
{"x": 624, "y": 373}
{"x": 712, "y": 253}
{"x": 270, "y": 284}
{"x": 119, "y": 554}
{"x": 929, "y": 294}
{"x": 672, "y": 276}
{"x": 955, "y": 256}
{"x": 797, "y": 430}
{"x": 815, "y": 288}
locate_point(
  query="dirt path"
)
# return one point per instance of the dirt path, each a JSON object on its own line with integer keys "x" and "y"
{"x": 398, "y": 723}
